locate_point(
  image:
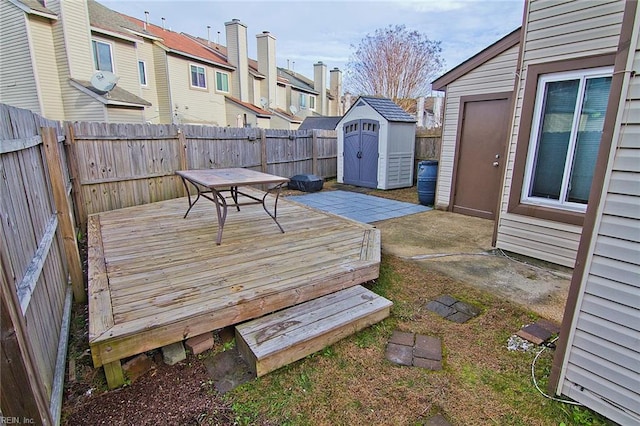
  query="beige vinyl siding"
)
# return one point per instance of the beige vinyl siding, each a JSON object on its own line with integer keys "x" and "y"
{"x": 17, "y": 81}
{"x": 72, "y": 41}
{"x": 161, "y": 81}
{"x": 603, "y": 361}
{"x": 144, "y": 50}
{"x": 77, "y": 34}
{"x": 45, "y": 68}
{"x": 125, "y": 63}
{"x": 255, "y": 91}
{"x": 554, "y": 31}
{"x": 194, "y": 105}
{"x": 494, "y": 76}
{"x": 281, "y": 98}
{"x": 124, "y": 115}
{"x": 84, "y": 107}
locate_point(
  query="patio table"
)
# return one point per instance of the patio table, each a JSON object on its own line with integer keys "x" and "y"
{"x": 212, "y": 183}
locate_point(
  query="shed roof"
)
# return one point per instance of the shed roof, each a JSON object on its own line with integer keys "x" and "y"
{"x": 322, "y": 123}
{"x": 506, "y": 42}
{"x": 388, "y": 109}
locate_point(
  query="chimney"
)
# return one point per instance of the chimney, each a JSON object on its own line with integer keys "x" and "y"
{"x": 320, "y": 86}
{"x": 420, "y": 111}
{"x": 335, "y": 88}
{"x": 267, "y": 67}
{"x": 237, "y": 56}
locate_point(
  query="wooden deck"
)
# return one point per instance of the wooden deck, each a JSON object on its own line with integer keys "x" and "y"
{"x": 156, "y": 278}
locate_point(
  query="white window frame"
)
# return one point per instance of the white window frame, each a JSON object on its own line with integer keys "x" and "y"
{"x": 204, "y": 73}
{"x": 96, "y": 64}
{"x": 228, "y": 79}
{"x": 302, "y": 100}
{"x": 144, "y": 73}
{"x": 535, "y": 131}
{"x": 312, "y": 102}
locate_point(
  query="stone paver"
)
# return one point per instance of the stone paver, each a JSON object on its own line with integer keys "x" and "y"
{"x": 445, "y": 299}
{"x": 428, "y": 347}
{"x": 440, "y": 309}
{"x": 459, "y": 317}
{"x": 228, "y": 370}
{"x": 173, "y": 353}
{"x": 415, "y": 350}
{"x": 427, "y": 363}
{"x": 402, "y": 338}
{"x": 539, "y": 332}
{"x": 437, "y": 420}
{"x": 450, "y": 308}
{"x": 400, "y": 354}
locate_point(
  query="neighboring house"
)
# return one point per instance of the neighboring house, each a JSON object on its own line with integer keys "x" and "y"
{"x": 49, "y": 55}
{"x": 475, "y": 129}
{"x": 570, "y": 193}
{"x": 47, "y": 61}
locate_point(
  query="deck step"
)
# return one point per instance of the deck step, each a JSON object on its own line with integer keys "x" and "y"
{"x": 278, "y": 339}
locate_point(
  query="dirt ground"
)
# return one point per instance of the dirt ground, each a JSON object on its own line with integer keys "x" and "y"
{"x": 424, "y": 256}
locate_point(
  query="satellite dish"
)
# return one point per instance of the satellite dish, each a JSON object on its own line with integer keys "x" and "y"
{"x": 293, "y": 109}
{"x": 104, "y": 81}
{"x": 264, "y": 102}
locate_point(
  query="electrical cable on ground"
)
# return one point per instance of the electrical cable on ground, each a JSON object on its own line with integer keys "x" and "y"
{"x": 535, "y": 382}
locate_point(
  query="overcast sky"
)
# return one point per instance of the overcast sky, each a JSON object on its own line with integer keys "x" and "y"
{"x": 308, "y": 31}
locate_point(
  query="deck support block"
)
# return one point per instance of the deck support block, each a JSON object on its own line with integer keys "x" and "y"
{"x": 114, "y": 374}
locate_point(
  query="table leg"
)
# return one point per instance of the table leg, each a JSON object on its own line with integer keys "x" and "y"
{"x": 234, "y": 195}
{"x": 186, "y": 188}
{"x": 219, "y": 199}
{"x": 275, "y": 205}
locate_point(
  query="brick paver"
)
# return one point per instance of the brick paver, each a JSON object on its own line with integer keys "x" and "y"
{"x": 415, "y": 350}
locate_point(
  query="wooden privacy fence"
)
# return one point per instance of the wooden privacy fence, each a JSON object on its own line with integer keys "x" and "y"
{"x": 39, "y": 258}
{"x": 122, "y": 165}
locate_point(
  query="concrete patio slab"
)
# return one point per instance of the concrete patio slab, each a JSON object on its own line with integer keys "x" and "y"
{"x": 360, "y": 207}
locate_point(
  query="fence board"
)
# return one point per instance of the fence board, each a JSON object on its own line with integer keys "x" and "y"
{"x": 30, "y": 251}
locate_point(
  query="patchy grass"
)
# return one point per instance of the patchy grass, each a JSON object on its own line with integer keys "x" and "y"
{"x": 352, "y": 383}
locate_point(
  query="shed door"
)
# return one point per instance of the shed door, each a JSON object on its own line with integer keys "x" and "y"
{"x": 479, "y": 162}
{"x": 361, "y": 153}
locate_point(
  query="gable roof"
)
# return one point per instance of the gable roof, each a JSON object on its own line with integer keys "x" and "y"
{"x": 34, "y": 7}
{"x": 388, "y": 109}
{"x": 101, "y": 17}
{"x": 254, "y": 109}
{"x": 222, "y": 51}
{"x": 505, "y": 43}
{"x": 117, "y": 96}
{"x": 296, "y": 80}
{"x": 322, "y": 123}
{"x": 181, "y": 44}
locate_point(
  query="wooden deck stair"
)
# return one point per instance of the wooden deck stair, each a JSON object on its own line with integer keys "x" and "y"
{"x": 278, "y": 339}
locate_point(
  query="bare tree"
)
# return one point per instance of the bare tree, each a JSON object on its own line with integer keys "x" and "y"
{"x": 395, "y": 63}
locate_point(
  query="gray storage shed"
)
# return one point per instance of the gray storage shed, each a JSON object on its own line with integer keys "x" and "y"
{"x": 376, "y": 145}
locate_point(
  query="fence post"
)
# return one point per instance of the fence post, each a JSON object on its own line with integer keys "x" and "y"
{"x": 74, "y": 171}
{"x": 263, "y": 150}
{"x": 314, "y": 150}
{"x": 63, "y": 210}
{"x": 182, "y": 149}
